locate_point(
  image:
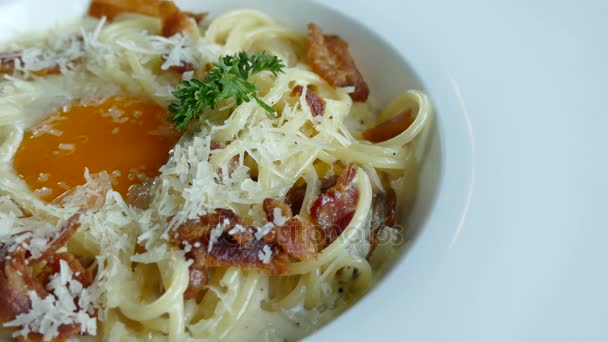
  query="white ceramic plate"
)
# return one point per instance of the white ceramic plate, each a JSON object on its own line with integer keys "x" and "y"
{"x": 513, "y": 230}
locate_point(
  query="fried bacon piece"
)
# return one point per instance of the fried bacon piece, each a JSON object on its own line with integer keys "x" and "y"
{"x": 239, "y": 249}
{"x": 329, "y": 57}
{"x": 16, "y": 280}
{"x": 227, "y": 253}
{"x": 316, "y": 103}
{"x": 300, "y": 239}
{"x": 174, "y": 20}
{"x": 113, "y": 8}
{"x": 334, "y": 209}
{"x": 193, "y": 230}
{"x": 383, "y": 215}
{"x": 18, "y": 277}
{"x": 295, "y": 195}
{"x": 236, "y": 244}
{"x": 390, "y": 128}
{"x": 270, "y": 205}
{"x": 296, "y": 237}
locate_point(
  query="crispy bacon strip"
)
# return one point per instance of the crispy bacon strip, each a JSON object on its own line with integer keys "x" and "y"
{"x": 197, "y": 230}
{"x": 296, "y": 237}
{"x": 113, "y": 8}
{"x": 240, "y": 249}
{"x": 174, "y": 20}
{"x": 193, "y": 230}
{"x": 390, "y": 128}
{"x": 226, "y": 252}
{"x": 295, "y": 195}
{"x": 329, "y": 57}
{"x": 270, "y": 204}
{"x": 334, "y": 209}
{"x": 299, "y": 239}
{"x": 316, "y": 103}
{"x": 18, "y": 277}
{"x": 16, "y": 280}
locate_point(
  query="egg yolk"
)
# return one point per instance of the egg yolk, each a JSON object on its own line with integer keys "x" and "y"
{"x": 129, "y": 138}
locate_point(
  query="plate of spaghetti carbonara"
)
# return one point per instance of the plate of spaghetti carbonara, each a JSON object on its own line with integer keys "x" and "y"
{"x": 193, "y": 176}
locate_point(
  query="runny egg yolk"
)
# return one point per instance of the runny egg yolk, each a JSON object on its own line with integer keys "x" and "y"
{"x": 127, "y": 137}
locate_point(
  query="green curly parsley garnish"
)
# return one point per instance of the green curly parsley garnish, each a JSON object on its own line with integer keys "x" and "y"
{"x": 227, "y": 80}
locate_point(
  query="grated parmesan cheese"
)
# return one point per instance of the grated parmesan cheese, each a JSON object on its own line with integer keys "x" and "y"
{"x": 265, "y": 254}
{"x": 187, "y": 246}
{"x": 348, "y": 90}
{"x": 180, "y": 52}
{"x": 216, "y": 232}
{"x": 264, "y": 230}
{"x": 66, "y": 147}
{"x": 279, "y": 219}
{"x": 43, "y": 177}
{"x": 237, "y": 229}
{"x": 116, "y": 115}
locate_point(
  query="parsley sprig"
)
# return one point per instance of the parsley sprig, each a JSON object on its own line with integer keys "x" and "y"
{"x": 228, "y": 79}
